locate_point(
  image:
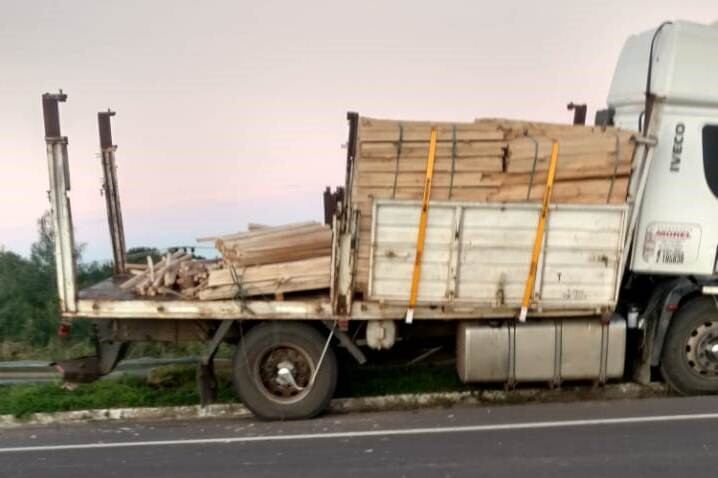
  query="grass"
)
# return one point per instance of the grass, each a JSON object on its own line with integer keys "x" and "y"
{"x": 397, "y": 379}
{"x": 23, "y": 400}
{"x": 175, "y": 385}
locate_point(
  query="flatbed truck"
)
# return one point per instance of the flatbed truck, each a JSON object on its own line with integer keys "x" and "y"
{"x": 658, "y": 311}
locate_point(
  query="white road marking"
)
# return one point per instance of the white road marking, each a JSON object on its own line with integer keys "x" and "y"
{"x": 371, "y": 433}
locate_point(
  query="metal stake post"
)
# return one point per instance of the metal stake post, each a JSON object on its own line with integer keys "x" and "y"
{"x": 60, "y": 202}
{"x": 112, "y": 194}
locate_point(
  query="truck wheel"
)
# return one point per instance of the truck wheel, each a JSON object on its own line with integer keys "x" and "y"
{"x": 690, "y": 354}
{"x": 273, "y": 369}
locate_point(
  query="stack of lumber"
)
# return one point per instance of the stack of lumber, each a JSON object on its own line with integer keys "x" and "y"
{"x": 270, "y": 245}
{"x": 492, "y": 160}
{"x": 177, "y": 274}
{"x": 267, "y": 279}
{"x": 264, "y": 261}
{"x": 271, "y": 261}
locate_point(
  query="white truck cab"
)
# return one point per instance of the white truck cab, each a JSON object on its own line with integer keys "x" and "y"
{"x": 677, "y": 66}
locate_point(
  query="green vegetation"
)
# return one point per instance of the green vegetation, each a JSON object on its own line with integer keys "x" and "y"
{"x": 378, "y": 380}
{"x": 175, "y": 385}
{"x": 29, "y": 313}
{"x": 22, "y": 400}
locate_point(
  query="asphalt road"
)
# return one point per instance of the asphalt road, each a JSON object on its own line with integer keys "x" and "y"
{"x": 652, "y": 438}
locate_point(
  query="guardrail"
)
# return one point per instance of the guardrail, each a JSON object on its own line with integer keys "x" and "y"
{"x": 38, "y": 371}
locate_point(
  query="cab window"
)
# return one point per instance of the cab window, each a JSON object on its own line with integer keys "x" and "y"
{"x": 710, "y": 156}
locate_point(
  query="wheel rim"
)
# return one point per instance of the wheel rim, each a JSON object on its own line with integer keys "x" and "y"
{"x": 283, "y": 373}
{"x": 702, "y": 350}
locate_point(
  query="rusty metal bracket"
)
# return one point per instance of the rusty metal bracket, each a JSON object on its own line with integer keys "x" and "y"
{"x": 206, "y": 378}
{"x": 346, "y": 342}
{"x": 217, "y": 339}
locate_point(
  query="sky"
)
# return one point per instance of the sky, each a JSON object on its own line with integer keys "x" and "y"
{"x": 231, "y": 112}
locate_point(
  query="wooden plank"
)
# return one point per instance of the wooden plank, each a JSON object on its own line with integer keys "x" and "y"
{"x": 315, "y": 234}
{"x": 570, "y": 147}
{"x": 278, "y": 272}
{"x": 266, "y": 231}
{"x": 487, "y": 164}
{"x": 579, "y": 192}
{"x": 593, "y": 161}
{"x": 517, "y": 128}
{"x": 264, "y": 288}
{"x": 419, "y": 150}
{"x": 279, "y": 245}
{"x": 564, "y": 174}
{"x": 389, "y": 130}
{"x": 441, "y": 179}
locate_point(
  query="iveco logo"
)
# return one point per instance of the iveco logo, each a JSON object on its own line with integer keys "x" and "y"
{"x": 677, "y": 147}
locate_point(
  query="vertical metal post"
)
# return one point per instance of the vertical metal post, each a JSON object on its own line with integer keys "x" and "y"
{"x": 59, "y": 172}
{"x": 112, "y": 194}
{"x": 579, "y": 112}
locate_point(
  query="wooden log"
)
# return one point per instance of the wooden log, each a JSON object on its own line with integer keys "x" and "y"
{"x": 151, "y": 268}
{"x": 168, "y": 274}
{"x": 140, "y": 278}
{"x": 159, "y": 272}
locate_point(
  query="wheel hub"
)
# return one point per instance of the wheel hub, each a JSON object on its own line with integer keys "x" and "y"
{"x": 283, "y": 373}
{"x": 702, "y": 349}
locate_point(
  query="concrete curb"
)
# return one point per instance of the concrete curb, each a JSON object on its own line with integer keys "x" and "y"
{"x": 350, "y": 405}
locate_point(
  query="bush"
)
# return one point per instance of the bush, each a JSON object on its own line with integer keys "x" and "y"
{"x": 29, "y": 310}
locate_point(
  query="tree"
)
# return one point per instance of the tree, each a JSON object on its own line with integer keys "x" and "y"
{"x": 29, "y": 310}
{"x": 42, "y": 251}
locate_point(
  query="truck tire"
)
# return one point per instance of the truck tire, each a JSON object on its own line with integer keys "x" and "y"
{"x": 273, "y": 368}
{"x": 690, "y": 354}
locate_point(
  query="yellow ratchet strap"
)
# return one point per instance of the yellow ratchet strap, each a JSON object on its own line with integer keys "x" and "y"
{"x": 538, "y": 240}
{"x": 421, "y": 235}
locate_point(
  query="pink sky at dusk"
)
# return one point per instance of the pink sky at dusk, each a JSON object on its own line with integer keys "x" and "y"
{"x": 233, "y": 112}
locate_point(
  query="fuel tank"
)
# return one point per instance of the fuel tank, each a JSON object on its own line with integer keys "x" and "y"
{"x": 542, "y": 350}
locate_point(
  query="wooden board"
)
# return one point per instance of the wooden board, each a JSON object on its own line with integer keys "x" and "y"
{"x": 309, "y": 274}
{"x": 276, "y": 244}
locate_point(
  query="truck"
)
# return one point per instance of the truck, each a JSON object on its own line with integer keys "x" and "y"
{"x": 654, "y": 312}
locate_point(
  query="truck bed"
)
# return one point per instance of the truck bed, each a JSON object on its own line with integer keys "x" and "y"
{"x": 106, "y": 300}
